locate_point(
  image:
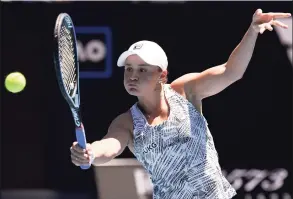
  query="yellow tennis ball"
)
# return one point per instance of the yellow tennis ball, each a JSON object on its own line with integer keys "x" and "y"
{"x": 15, "y": 82}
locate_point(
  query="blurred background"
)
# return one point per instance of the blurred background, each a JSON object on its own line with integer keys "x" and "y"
{"x": 251, "y": 121}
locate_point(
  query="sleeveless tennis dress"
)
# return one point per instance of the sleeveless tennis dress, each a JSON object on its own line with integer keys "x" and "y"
{"x": 179, "y": 154}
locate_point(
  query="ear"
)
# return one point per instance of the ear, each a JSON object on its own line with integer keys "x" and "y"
{"x": 164, "y": 74}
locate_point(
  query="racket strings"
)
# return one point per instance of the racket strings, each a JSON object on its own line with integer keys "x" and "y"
{"x": 67, "y": 60}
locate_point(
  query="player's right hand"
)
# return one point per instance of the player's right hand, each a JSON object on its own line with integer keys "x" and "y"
{"x": 81, "y": 156}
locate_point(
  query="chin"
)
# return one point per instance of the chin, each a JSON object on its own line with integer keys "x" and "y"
{"x": 133, "y": 91}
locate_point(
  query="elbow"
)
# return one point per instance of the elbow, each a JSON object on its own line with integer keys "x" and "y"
{"x": 234, "y": 71}
{"x": 234, "y": 79}
{"x": 238, "y": 77}
{"x": 234, "y": 76}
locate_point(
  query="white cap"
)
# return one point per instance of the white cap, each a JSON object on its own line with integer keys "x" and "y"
{"x": 150, "y": 52}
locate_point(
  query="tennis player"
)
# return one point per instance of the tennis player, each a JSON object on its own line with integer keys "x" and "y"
{"x": 165, "y": 128}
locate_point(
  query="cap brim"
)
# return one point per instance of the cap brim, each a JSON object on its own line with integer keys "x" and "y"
{"x": 123, "y": 57}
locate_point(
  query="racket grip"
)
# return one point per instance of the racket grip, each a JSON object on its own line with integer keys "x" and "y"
{"x": 81, "y": 140}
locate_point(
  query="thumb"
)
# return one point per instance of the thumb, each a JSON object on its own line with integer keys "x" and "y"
{"x": 88, "y": 147}
{"x": 258, "y": 11}
{"x": 90, "y": 152}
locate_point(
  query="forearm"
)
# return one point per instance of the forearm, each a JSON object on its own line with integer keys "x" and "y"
{"x": 241, "y": 55}
{"x": 105, "y": 150}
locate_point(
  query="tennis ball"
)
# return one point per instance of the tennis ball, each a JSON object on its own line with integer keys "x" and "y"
{"x": 15, "y": 82}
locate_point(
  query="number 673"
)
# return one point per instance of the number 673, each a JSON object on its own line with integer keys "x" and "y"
{"x": 249, "y": 179}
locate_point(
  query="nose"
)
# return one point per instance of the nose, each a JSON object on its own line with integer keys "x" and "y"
{"x": 134, "y": 77}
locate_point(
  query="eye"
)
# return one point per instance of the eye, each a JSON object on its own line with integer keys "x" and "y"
{"x": 143, "y": 70}
{"x": 128, "y": 69}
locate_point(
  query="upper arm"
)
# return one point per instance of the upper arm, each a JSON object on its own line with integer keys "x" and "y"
{"x": 209, "y": 82}
{"x": 179, "y": 84}
{"x": 119, "y": 132}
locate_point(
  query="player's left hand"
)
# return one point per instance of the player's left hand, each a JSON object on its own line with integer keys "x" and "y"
{"x": 264, "y": 21}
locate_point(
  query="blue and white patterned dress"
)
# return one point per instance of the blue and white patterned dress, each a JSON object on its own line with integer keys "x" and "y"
{"x": 179, "y": 154}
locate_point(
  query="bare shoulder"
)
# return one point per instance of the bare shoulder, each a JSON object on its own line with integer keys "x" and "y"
{"x": 181, "y": 85}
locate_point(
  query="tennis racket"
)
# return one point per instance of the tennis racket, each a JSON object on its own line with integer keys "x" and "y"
{"x": 67, "y": 72}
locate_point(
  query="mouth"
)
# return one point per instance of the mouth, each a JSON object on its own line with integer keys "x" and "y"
{"x": 132, "y": 85}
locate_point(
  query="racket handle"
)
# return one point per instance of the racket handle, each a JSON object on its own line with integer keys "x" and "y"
{"x": 81, "y": 139}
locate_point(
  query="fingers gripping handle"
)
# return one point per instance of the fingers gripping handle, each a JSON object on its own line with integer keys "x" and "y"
{"x": 81, "y": 139}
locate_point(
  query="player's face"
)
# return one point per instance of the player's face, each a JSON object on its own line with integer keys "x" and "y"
{"x": 140, "y": 78}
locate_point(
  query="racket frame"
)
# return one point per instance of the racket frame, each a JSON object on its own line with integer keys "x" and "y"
{"x": 74, "y": 103}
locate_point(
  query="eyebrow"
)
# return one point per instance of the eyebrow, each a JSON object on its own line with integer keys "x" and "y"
{"x": 143, "y": 64}
{"x": 138, "y": 64}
